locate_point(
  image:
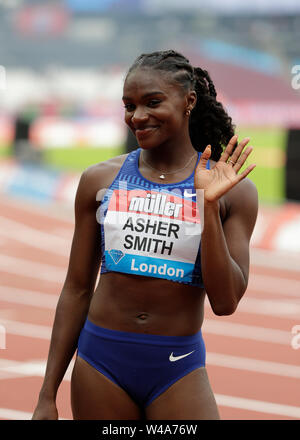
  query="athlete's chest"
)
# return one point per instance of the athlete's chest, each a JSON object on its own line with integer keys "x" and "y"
{"x": 154, "y": 232}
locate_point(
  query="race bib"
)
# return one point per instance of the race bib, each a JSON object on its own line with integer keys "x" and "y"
{"x": 152, "y": 233}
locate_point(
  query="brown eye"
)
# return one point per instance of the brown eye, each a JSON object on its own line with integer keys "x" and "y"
{"x": 154, "y": 102}
{"x": 129, "y": 107}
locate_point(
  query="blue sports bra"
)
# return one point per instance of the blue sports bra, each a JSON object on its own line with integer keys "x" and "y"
{"x": 150, "y": 229}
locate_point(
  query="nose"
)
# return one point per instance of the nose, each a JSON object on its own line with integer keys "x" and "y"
{"x": 139, "y": 115}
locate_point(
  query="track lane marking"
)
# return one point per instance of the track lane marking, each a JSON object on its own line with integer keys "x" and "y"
{"x": 254, "y": 365}
{"x": 281, "y": 309}
{"x": 40, "y": 271}
{"x": 241, "y": 331}
{"x": 37, "y": 367}
{"x": 13, "y": 414}
{"x": 244, "y": 331}
{"x": 258, "y": 406}
{"x": 274, "y": 259}
{"x": 34, "y": 238}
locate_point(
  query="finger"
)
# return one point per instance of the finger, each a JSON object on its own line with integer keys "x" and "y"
{"x": 204, "y": 157}
{"x": 237, "y": 152}
{"x": 246, "y": 172}
{"x": 241, "y": 159}
{"x": 228, "y": 150}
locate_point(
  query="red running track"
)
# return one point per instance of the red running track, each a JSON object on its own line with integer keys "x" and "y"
{"x": 252, "y": 356}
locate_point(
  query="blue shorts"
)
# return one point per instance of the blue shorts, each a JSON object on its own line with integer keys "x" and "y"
{"x": 143, "y": 365}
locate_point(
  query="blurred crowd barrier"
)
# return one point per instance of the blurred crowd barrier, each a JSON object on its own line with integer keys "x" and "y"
{"x": 36, "y": 182}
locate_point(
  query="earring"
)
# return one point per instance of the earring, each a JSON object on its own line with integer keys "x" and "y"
{"x": 188, "y": 112}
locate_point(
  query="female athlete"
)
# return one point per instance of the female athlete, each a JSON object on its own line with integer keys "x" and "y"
{"x": 140, "y": 216}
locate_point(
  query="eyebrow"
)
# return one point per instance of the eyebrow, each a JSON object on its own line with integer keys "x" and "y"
{"x": 146, "y": 95}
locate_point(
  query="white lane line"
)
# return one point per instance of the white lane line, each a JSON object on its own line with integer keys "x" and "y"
{"x": 222, "y": 400}
{"x": 243, "y": 331}
{"x": 254, "y": 365}
{"x": 34, "y": 237}
{"x": 28, "y": 297}
{"x": 26, "y": 329}
{"x": 258, "y": 406}
{"x": 280, "y": 309}
{"x": 10, "y": 369}
{"x": 65, "y": 212}
{"x": 60, "y": 211}
{"x": 259, "y": 283}
{"x": 40, "y": 271}
{"x": 274, "y": 284}
{"x": 38, "y": 367}
{"x": 13, "y": 414}
{"x": 14, "y": 369}
{"x": 61, "y": 246}
{"x": 275, "y": 259}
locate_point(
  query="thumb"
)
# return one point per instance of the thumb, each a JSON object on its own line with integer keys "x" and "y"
{"x": 204, "y": 157}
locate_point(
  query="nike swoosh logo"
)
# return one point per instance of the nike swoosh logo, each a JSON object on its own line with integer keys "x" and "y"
{"x": 187, "y": 194}
{"x": 176, "y": 358}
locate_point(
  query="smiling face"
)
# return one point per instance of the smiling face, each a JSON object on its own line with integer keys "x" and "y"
{"x": 155, "y": 108}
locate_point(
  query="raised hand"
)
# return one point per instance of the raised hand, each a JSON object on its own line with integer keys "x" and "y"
{"x": 224, "y": 175}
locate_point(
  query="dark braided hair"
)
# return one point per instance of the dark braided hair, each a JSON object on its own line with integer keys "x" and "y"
{"x": 209, "y": 121}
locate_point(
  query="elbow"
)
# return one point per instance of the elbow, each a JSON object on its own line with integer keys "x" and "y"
{"x": 227, "y": 301}
{"x": 225, "y": 309}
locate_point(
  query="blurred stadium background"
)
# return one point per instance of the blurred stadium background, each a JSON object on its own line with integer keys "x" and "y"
{"x": 65, "y": 62}
{"x": 61, "y": 77}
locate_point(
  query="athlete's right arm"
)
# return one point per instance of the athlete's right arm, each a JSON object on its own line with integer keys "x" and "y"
{"x": 74, "y": 300}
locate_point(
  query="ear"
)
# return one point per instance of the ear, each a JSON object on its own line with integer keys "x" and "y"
{"x": 191, "y": 99}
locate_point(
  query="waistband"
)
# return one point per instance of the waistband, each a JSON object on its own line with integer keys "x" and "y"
{"x": 142, "y": 337}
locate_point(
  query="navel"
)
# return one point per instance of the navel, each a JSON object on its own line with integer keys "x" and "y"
{"x": 142, "y": 316}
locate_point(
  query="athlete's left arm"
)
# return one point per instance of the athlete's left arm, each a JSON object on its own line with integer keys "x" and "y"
{"x": 225, "y": 247}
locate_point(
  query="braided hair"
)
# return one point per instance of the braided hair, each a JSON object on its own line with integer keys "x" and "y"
{"x": 209, "y": 122}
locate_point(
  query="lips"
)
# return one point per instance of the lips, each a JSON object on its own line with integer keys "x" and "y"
{"x": 143, "y": 132}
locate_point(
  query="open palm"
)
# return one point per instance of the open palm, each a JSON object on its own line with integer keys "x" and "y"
{"x": 224, "y": 175}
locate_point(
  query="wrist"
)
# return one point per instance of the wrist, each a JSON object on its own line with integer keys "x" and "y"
{"x": 211, "y": 204}
{"x": 47, "y": 394}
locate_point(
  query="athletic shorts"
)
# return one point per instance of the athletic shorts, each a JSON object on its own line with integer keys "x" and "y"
{"x": 141, "y": 364}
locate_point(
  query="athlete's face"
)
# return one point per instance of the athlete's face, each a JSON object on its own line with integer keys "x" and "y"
{"x": 154, "y": 108}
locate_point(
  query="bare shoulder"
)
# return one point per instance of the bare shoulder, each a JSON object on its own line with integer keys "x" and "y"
{"x": 97, "y": 178}
{"x": 105, "y": 172}
{"x": 102, "y": 174}
{"x": 243, "y": 194}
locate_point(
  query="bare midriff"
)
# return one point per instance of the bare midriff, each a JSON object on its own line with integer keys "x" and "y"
{"x": 133, "y": 303}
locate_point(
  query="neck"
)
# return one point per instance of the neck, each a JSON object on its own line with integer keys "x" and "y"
{"x": 168, "y": 157}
